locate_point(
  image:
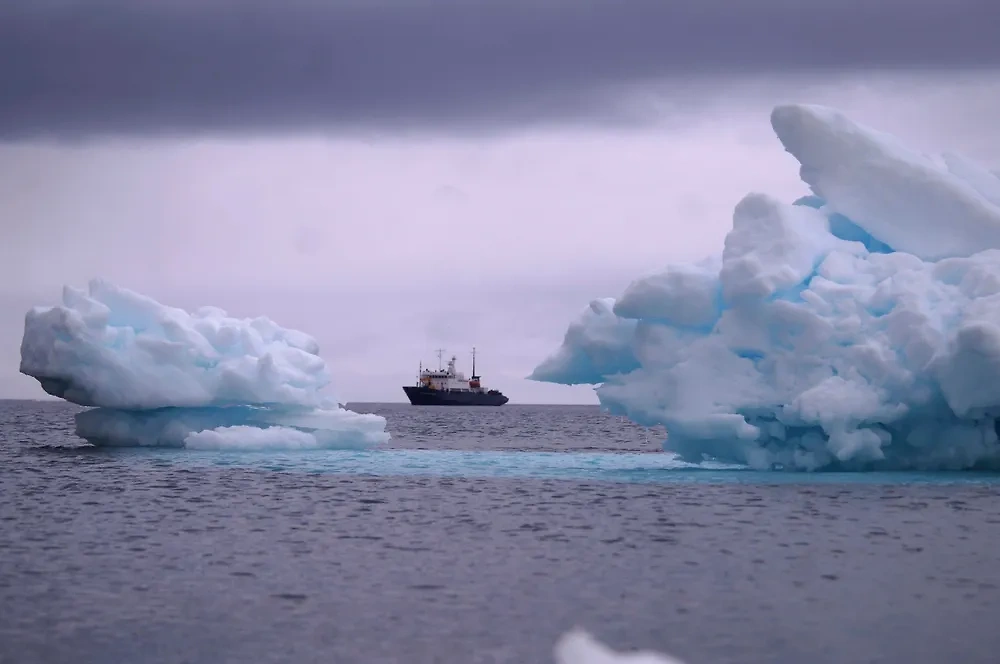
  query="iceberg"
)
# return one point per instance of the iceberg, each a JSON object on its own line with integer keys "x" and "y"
{"x": 856, "y": 328}
{"x": 160, "y": 376}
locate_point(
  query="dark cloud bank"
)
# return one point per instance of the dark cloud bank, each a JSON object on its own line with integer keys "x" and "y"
{"x": 78, "y": 67}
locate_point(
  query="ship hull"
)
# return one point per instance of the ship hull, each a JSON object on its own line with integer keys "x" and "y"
{"x": 424, "y": 396}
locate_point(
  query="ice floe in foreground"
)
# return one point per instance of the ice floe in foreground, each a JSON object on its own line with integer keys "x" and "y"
{"x": 579, "y": 647}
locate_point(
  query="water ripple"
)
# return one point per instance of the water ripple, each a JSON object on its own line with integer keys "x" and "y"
{"x": 157, "y": 557}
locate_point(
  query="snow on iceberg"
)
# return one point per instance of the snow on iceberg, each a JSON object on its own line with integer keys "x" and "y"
{"x": 855, "y": 328}
{"x": 161, "y": 376}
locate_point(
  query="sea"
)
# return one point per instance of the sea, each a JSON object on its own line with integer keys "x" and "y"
{"x": 480, "y": 535}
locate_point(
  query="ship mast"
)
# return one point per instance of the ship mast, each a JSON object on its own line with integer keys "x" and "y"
{"x": 440, "y": 353}
{"x": 474, "y": 376}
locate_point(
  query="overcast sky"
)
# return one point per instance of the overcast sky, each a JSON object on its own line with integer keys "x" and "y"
{"x": 396, "y": 176}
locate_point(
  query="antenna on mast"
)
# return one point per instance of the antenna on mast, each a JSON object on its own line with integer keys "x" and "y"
{"x": 474, "y": 376}
{"x": 440, "y": 353}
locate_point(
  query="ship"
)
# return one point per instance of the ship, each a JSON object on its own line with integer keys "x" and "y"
{"x": 448, "y": 387}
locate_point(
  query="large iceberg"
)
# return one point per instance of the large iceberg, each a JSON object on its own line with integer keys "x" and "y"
{"x": 161, "y": 376}
{"x": 855, "y": 328}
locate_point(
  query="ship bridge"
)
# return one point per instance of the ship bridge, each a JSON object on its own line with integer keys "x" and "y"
{"x": 449, "y": 378}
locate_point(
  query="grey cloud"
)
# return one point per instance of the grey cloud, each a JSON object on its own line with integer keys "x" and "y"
{"x": 77, "y": 68}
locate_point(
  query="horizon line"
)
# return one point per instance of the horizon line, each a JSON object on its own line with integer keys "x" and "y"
{"x": 344, "y": 403}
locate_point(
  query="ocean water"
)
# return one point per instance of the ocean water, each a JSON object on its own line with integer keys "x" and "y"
{"x": 480, "y": 536}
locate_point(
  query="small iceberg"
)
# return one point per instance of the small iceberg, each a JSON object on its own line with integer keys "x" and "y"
{"x": 161, "y": 376}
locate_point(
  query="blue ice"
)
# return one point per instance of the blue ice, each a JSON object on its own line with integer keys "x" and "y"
{"x": 857, "y": 328}
{"x": 628, "y": 468}
{"x": 161, "y": 376}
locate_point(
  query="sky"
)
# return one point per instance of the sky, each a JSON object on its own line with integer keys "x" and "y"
{"x": 397, "y": 176}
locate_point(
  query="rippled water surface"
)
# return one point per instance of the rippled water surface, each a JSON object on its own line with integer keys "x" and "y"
{"x": 480, "y": 536}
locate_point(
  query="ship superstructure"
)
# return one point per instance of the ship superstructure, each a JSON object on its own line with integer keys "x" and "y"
{"x": 446, "y": 386}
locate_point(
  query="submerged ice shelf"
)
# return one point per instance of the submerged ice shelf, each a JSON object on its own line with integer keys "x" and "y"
{"x": 855, "y": 328}
{"x": 604, "y": 467}
{"x": 160, "y": 376}
{"x": 599, "y": 466}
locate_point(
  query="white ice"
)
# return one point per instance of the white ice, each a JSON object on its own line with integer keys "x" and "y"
{"x": 856, "y": 328}
{"x": 115, "y": 348}
{"x": 579, "y": 647}
{"x": 160, "y": 376}
{"x": 232, "y": 428}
